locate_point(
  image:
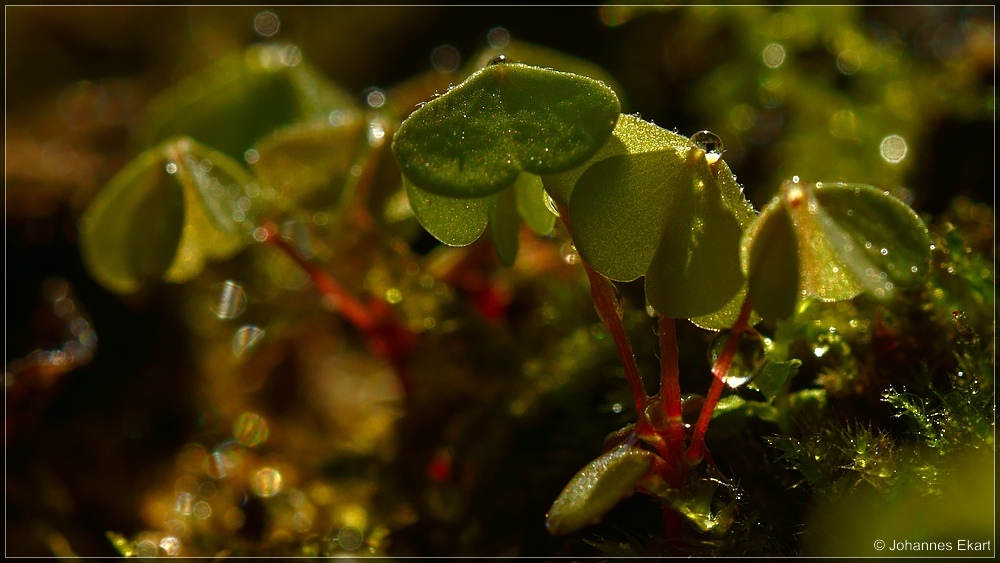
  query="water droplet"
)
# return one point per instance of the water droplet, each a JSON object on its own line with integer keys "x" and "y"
{"x": 710, "y": 143}
{"x": 230, "y": 300}
{"x": 568, "y": 253}
{"x": 171, "y": 168}
{"x": 795, "y": 179}
{"x": 499, "y": 59}
{"x": 550, "y": 204}
{"x": 885, "y": 251}
{"x": 146, "y": 549}
{"x": 266, "y": 482}
{"x": 251, "y": 429}
{"x": 651, "y": 311}
{"x": 848, "y": 62}
{"x": 868, "y": 245}
{"x": 202, "y": 510}
{"x": 748, "y": 360}
{"x": 266, "y": 23}
{"x": 376, "y": 135}
{"x": 245, "y": 339}
{"x": 375, "y": 98}
{"x": 445, "y": 58}
{"x": 349, "y": 538}
{"x": 893, "y": 148}
{"x": 914, "y": 269}
{"x": 774, "y": 55}
{"x": 170, "y": 545}
{"x": 498, "y": 37}
{"x": 616, "y": 408}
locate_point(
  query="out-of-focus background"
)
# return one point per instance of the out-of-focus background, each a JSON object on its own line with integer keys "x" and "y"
{"x": 897, "y": 97}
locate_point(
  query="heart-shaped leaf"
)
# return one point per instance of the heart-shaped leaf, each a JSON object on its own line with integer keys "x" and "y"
{"x": 669, "y": 211}
{"x": 597, "y": 488}
{"x": 243, "y": 97}
{"x": 847, "y": 238}
{"x": 173, "y": 207}
{"x": 507, "y": 118}
{"x": 452, "y": 220}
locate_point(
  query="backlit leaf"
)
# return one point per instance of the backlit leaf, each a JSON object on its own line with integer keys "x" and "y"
{"x": 453, "y": 221}
{"x": 504, "y": 224}
{"x": 531, "y": 203}
{"x": 848, "y": 238}
{"x": 664, "y": 214}
{"x": 507, "y": 118}
{"x": 167, "y": 212}
{"x": 597, "y": 488}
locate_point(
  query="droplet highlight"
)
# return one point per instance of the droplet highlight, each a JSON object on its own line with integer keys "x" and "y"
{"x": 230, "y": 300}
{"x": 748, "y": 360}
{"x": 245, "y": 339}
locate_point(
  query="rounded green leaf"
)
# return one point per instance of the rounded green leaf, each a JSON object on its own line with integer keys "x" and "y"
{"x": 674, "y": 215}
{"x": 309, "y": 162}
{"x": 243, "y": 97}
{"x": 452, "y": 220}
{"x": 773, "y": 269}
{"x": 538, "y": 55}
{"x": 597, "y": 488}
{"x": 168, "y": 211}
{"x": 507, "y": 118}
{"x": 533, "y": 204}
{"x": 504, "y": 226}
{"x": 631, "y": 135}
{"x": 848, "y": 238}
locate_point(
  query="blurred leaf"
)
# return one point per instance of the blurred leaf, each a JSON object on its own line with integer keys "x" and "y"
{"x": 153, "y": 222}
{"x": 848, "y": 237}
{"x": 507, "y": 118}
{"x": 309, "y": 162}
{"x": 597, "y": 488}
{"x": 771, "y": 379}
{"x": 243, "y": 97}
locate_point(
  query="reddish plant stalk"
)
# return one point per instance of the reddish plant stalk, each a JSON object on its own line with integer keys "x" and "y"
{"x": 603, "y": 294}
{"x": 696, "y": 450}
{"x": 352, "y": 309}
{"x": 670, "y": 385}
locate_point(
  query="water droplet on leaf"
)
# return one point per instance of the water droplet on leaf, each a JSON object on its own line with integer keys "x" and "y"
{"x": 708, "y": 142}
{"x": 499, "y": 59}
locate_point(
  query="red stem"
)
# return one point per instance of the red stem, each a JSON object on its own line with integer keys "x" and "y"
{"x": 345, "y": 303}
{"x": 606, "y": 304}
{"x": 670, "y": 386}
{"x": 695, "y": 451}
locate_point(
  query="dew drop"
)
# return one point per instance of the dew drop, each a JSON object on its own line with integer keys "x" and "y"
{"x": 230, "y": 300}
{"x": 710, "y": 143}
{"x": 914, "y": 269}
{"x": 893, "y": 149}
{"x": 245, "y": 339}
{"x": 499, "y": 59}
{"x": 550, "y": 204}
{"x": 868, "y": 245}
{"x": 795, "y": 179}
{"x": 266, "y": 23}
{"x": 251, "y": 429}
{"x": 568, "y": 253}
{"x": 266, "y": 482}
{"x": 748, "y": 360}
{"x": 651, "y": 311}
{"x": 885, "y": 251}
{"x": 619, "y": 303}
{"x": 171, "y": 168}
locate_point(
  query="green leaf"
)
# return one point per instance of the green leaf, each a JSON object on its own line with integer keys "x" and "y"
{"x": 453, "y": 221}
{"x": 597, "y": 488}
{"x": 771, "y": 379}
{"x": 309, "y": 162}
{"x": 507, "y": 118}
{"x": 774, "y": 264}
{"x": 533, "y": 203}
{"x": 538, "y": 55}
{"x": 152, "y": 222}
{"x": 243, "y": 97}
{"x": 848, "y": 238}
{"x": 664, "y": 214}
{"x": 736, "y": 406}
{"x": 504, "y": 224}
